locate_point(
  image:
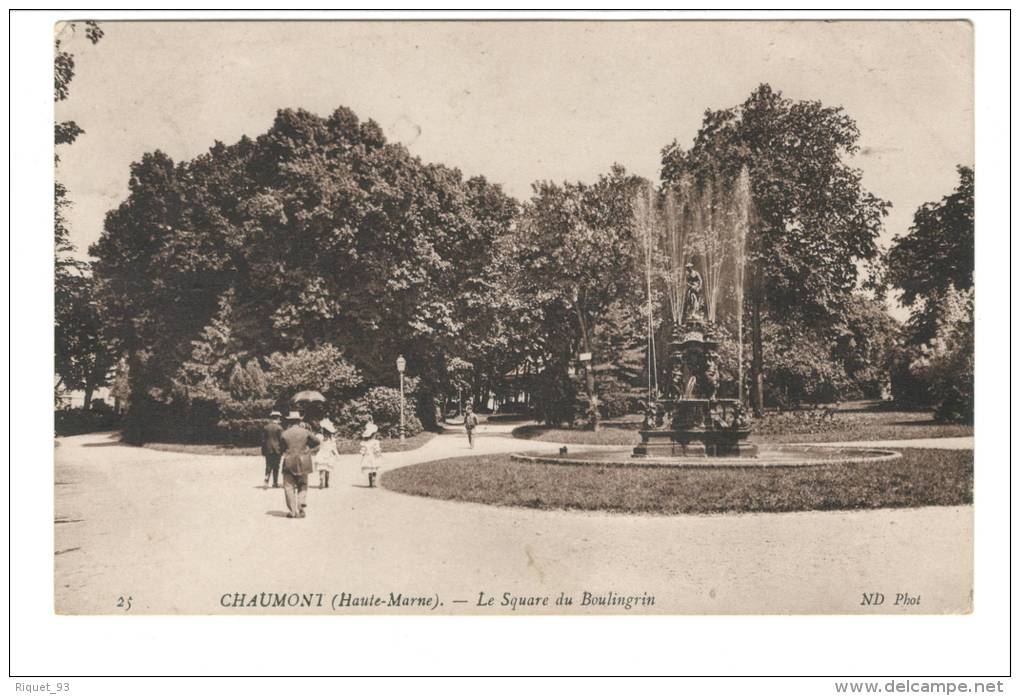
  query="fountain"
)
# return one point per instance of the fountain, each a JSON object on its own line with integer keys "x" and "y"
{"x": 692, "y": 421}
{"x": 694, "y": 239}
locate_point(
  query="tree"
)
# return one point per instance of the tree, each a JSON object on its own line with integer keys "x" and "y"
{"x": 322, "y": 233}
{"x": 935, "y": 256}
{"x": 83, "y": 357}
{"x": 578, "y": 247}
{"x": 865, "y": 342}
{"x": 813, "y": 220}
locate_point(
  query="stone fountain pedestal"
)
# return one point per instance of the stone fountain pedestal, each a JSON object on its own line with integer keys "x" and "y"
{"x": 693, "y": 422}
{"x": 698, "y": 428}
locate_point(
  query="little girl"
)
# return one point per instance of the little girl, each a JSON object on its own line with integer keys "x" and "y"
{"x": 327, "y": 454}
{"x": 371, "y": 451}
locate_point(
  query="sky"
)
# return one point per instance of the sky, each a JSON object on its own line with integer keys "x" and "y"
{"x": 516, "y": 102}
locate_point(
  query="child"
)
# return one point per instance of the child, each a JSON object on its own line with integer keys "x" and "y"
{"x": 371, "y": 451}
{"x": 327, "y": 454}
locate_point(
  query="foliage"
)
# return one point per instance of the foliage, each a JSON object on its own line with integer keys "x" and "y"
{"x": 322, "y": 232}
{"x": 324, "y": 369}
{"x": 554, "y": 396}
{"x": 576, "y": 251}
{"x": 76, "y": 421}
{"x": 813, "y": 225}
{"x": 800, "y": 366}
{"x": 933, "y": 265}
{"x": 945, "y": 365}
{"x": 935, "y": 256}
{"x": 814, "y": 219}
{"x": 82, "y": 355}
{"x": 383, "y": 405}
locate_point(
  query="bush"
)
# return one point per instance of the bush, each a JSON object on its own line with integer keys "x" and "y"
{"x": 245, "y": 432}
{"x": 555, "y": 396}
{"x": 324, "y": 369}
{"x": 383, "y": 405}
{"x": 76, "y": 421}
{"x": 617, "y": 399}
{"x": 940, "y": 373}
{"x": 252, "y": 409}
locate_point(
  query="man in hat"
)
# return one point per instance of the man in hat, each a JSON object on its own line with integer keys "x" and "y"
{"x": 299, "y": 444}
{"x": 272, "y": 446}
{"x": 470, "y": 423}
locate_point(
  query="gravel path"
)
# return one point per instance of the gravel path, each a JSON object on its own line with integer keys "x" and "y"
{"x": 177, "y": 532}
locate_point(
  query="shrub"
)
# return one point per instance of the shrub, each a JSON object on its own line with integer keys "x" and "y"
{"x": 248, "y": 382}
{"x": 940, "y": 373}
{"x": 252, "y": 409}
{"x": 76, "y": 421}
{"x": 555, "y": 396}
{"x": 323, "y": 369}
{"x": 383, "y": 405}
{"x": 244, "y": 432}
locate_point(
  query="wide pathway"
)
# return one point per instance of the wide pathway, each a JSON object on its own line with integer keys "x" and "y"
{"x": 184, "y": 533}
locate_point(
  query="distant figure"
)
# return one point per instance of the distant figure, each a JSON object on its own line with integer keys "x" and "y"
{"x": 272, "y": 446}
{"x": 371, "y": 452}
{"x": 299, "y": 444}
{"x": 470, "y": 423}
{"x": 327, "y": 454}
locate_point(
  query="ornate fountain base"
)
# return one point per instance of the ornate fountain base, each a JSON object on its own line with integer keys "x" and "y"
{"x": 698, "y": 428}
{"x": 695, "y": 443}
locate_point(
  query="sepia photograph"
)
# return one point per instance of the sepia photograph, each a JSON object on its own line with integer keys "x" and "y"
{"x": 502, "y": 318}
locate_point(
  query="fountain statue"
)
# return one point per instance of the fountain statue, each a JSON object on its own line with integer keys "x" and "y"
{"x": 692, "y": 421}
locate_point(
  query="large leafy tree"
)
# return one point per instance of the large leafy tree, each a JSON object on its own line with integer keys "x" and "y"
{"x": 814, "y": 222}
{"x": 576, "y": 244}
{"x": 82, "y": 354}
{"x": 935, "y": 256}
{"x": 320, "y": 231}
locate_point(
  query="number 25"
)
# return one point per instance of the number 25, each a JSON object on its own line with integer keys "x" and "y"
{"x": 124, "y": 603}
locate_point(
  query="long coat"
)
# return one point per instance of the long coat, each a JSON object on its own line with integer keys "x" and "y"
{"x": 271, "y": 439}
{"x": 298, "y": 446}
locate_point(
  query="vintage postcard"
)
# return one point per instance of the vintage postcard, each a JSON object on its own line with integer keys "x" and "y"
{"x": 514, "y": 317}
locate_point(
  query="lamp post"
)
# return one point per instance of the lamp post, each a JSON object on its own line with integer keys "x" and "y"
{"x": 401, "y": 365}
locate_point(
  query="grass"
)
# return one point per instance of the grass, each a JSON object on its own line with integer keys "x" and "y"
{"x": 844, "y": 426}
{"x": 920, "y": 477}
{"x": 343, "y": 446}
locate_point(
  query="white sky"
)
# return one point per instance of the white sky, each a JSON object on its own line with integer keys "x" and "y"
{"x": 517, "y": 101}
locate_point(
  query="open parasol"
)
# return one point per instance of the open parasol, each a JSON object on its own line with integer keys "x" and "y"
{"x": 308, "y": 396}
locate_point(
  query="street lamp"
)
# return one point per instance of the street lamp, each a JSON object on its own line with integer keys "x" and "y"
{"x": 401, "y": 365}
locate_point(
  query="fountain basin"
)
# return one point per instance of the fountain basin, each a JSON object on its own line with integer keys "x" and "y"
{"x": 766, "y": 456}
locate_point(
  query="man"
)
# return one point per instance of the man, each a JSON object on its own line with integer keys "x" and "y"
{"x": 272, "y": 446}
{"x": 470, "y": 423}
{"x": 298, "y": 447}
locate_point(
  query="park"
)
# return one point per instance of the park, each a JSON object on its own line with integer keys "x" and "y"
{"x": 728, "y": 387}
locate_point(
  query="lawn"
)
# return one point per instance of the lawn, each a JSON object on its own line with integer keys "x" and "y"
{"x": 920, "y": 477}
{"x": 343, "y": 446}
{"x": 863, "y": 423}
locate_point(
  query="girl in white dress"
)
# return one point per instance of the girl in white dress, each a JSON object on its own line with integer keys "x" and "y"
{"x": 371, "y": 452}
{"x": 327, "y": 455}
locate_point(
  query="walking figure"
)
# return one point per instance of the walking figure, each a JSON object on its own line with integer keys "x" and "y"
{"x": 470, "y": 423}
{"x": 272, "y": 446}
{"x": 298, "y": 446}
{"x": 328, "y": 454}
{"x": 371, "y": 452}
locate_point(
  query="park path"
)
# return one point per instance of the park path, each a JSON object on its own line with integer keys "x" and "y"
{"x": 177, "y": 532}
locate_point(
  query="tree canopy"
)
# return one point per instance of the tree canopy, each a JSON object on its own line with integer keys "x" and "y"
{"x": 813, "y": 221}
{"x": 935, "y": 256}
{"x": 320, "y": 232}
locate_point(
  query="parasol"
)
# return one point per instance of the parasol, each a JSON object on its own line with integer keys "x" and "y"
{"x": 308, "y": 396}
